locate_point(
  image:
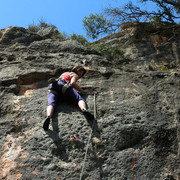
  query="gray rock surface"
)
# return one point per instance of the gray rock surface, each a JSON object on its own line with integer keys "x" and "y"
{"x": 137, "y": 132}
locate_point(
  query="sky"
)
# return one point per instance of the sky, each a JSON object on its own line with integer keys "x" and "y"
{"x": 66, "y": 15}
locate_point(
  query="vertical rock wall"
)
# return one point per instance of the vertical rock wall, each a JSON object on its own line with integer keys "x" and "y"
{"x": 135, "y": 135}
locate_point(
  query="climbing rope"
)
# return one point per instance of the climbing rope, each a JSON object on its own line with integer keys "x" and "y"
{"x": 92, "y": 128}
{"x": 90, "y": 135}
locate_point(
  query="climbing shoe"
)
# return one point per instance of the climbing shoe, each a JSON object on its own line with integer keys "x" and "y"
{"x": 88, "y": 115}
{"x": 46, "y": 124}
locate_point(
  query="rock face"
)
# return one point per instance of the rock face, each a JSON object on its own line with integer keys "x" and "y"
{"x": 146, "y": 46}
{"x": 136, "y": 134}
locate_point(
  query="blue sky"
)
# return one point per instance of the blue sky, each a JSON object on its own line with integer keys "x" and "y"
{"x": 66, "y": 15}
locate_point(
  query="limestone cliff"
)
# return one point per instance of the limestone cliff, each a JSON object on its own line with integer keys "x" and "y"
{"x": 137, "y": 133}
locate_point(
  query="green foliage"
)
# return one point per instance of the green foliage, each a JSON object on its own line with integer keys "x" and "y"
{"x": 80, "y": 38}
{"x": 164, "y": 68}
{"x": 95, "y": 24}
{"x": 57, "y": 35}
{"x": 112, "y": 53}
{"x": 156, "y": 19}
{"x": 33, "y": 28}
{"x": 42, "y": 25}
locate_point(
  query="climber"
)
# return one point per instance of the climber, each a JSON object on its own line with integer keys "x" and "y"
{"x": 65, "y": 86}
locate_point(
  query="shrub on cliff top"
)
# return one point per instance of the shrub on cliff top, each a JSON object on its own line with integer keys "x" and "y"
{"x": 80, "y": 38}
{"x": 43, "y": 25}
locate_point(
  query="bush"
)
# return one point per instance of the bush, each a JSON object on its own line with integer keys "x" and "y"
{"x": 113, "y": 53}
{"x": 33, "y": 28}
{"x": 80, "y": 38}
{"x": 43, "y": 25}
{"x": 58, "y": 35}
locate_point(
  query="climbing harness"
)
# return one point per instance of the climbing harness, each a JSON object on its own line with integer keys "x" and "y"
{"x": 64, "y": 87}
{"x": 90, "y": 135}
{"x": 52, "y": 91}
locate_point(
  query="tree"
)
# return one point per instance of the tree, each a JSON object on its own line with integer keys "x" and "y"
{"x": 112, "y": 18}
{"x": 166, "y": 9}
{"x": 95, "y": 25}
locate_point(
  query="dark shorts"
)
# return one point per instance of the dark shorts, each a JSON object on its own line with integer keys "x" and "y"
{"x": 70, "y": 94}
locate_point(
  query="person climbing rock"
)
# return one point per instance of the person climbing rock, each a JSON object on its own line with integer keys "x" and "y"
{"x": 65, "y": 86}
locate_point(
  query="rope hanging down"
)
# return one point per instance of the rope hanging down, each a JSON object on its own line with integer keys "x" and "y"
{"x": 90, "y": 135}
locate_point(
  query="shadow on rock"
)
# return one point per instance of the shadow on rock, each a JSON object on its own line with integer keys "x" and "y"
{"x": 60, "y": 149}
{"x": 94, "y": 126}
